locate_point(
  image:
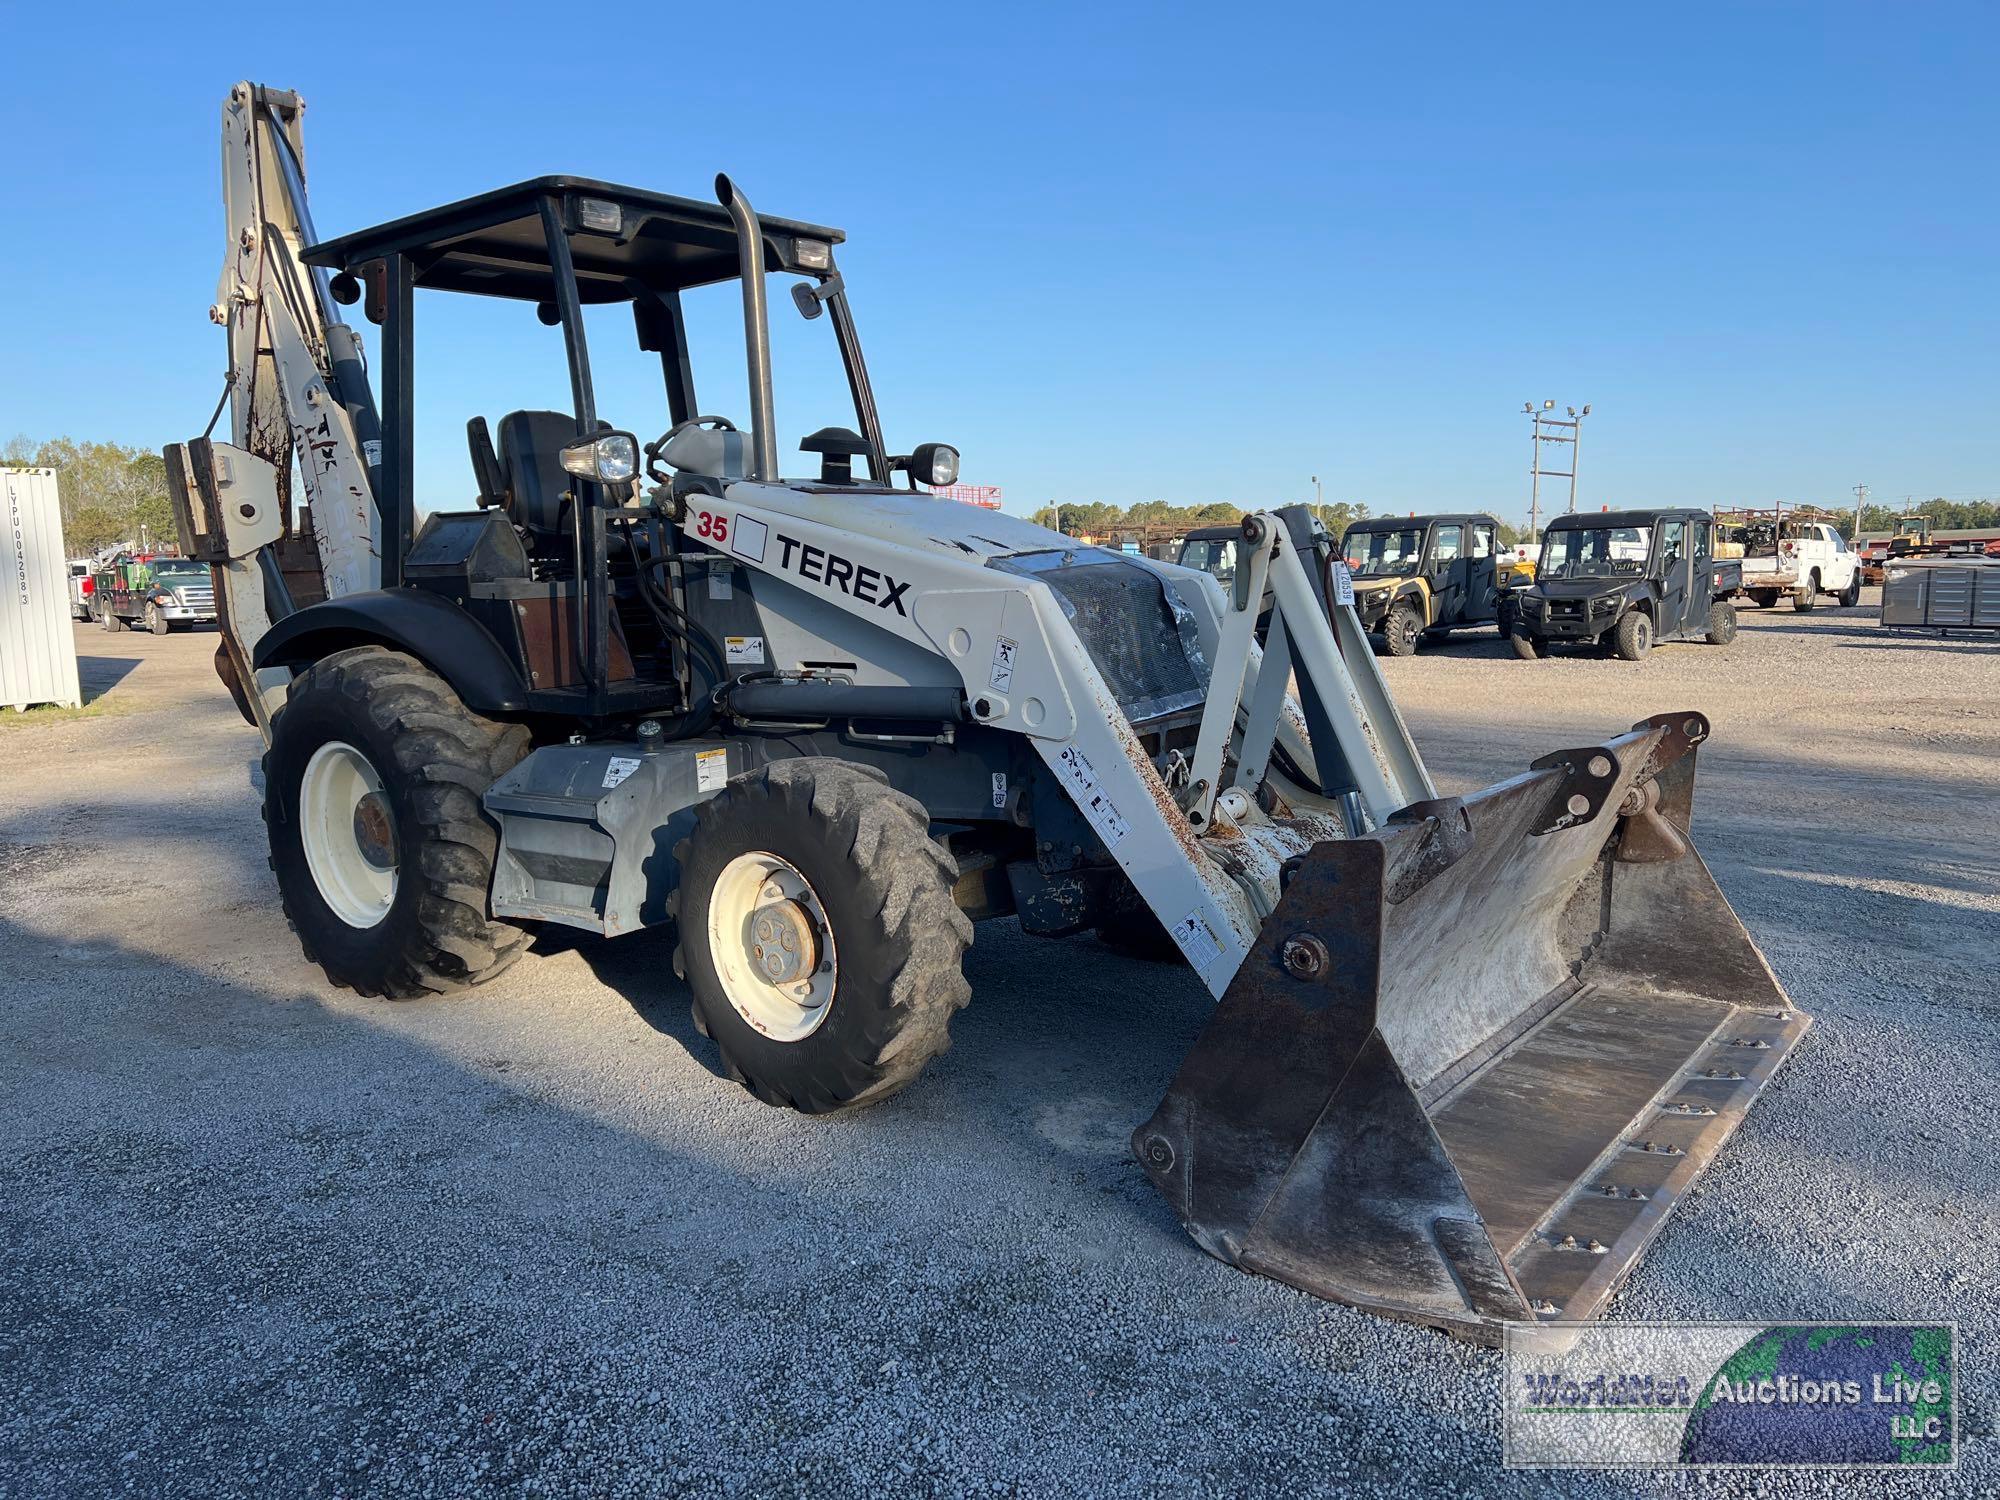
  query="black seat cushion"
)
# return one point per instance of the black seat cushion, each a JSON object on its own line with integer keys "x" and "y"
{"x": 531, "y": 444}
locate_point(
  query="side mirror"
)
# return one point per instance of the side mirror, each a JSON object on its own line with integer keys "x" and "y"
{"x": 811, "y": 297}
{"x": 608, "y": 458}
{"x": 934, "y": 464}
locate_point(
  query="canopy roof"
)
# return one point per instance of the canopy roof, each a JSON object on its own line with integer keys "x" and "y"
{"x": 495, "y": 245}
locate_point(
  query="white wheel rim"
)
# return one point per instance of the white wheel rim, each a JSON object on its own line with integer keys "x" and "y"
{"x": 349, "y": 833}
{"x": 771, "y": 946}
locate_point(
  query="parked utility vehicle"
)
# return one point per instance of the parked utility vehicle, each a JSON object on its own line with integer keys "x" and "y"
{"x": 1799, "y": 552}
{"x": 156, "y": 592}
{"x": 1417, "y": 576}
{"x": 81, "y": 583}
{"x": 1627, "y": 578}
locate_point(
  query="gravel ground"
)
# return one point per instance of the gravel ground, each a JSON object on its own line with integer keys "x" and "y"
{"x": 266, "y": 1237}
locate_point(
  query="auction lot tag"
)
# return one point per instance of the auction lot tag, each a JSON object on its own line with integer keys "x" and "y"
{"x": 1343, "y": 583}
{"x": 1731, "y": 1395}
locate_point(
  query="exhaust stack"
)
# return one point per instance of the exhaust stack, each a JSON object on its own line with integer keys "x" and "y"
{"x": 756, "y": 326}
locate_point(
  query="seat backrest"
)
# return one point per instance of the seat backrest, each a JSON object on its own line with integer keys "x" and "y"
{"x": 531, "y": 444}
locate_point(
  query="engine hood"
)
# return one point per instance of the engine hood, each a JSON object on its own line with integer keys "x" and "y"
{"x": 1580, "y": 588}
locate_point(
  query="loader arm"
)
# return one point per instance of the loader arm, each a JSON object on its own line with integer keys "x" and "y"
{"x": 299, "y": 401}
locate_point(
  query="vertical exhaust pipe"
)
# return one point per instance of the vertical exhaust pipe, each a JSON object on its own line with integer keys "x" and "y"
{"x": 756, "y": 327}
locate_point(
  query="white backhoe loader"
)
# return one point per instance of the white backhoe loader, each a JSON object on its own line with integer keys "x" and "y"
{"x": 1467, "y": 1052}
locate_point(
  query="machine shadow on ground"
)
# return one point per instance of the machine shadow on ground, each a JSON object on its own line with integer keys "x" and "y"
{"x": 98, "y": 675}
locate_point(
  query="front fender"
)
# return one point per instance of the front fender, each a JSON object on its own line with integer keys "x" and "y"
{"x": 431, "y": 628}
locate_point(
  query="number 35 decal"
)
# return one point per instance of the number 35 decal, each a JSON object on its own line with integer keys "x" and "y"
{"x": 713, "y": 527}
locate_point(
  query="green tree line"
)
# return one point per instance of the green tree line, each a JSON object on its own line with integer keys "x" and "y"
{"x": 1099, "y": 519}
{"x": 110, "y": 492}
{"x": 1946, "y": 515}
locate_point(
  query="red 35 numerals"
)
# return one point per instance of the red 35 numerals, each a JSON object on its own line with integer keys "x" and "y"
{"x": 712, "y": 527}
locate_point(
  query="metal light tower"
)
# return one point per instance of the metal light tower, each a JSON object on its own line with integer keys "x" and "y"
{"x": 1548, "y": 429}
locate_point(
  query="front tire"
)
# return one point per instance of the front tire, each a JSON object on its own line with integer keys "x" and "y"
{"x": 1851, "y": 595}
{"x": 1632, "y": 637}
{"x": 1529, "y": 647}
{"x": 1401, "y": 629}
{"x": 1721, "y": 623}
{"x": 156, "y": 621}
{"x": 818, "y": 933}
{"x": 383, "y": 853}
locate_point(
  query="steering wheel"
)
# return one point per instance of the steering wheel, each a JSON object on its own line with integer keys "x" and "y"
{"x": 659, "y": 444}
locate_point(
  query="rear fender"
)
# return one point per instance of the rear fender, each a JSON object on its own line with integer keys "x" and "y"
{"x": 432, "y": 629}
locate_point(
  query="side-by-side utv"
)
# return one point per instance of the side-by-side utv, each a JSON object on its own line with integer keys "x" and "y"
{"x": 1422, "y": 577}
{"x": 1626, "y": 579}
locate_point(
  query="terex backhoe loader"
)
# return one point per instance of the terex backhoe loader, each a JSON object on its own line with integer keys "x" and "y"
{"x": 1468, "y": 1052}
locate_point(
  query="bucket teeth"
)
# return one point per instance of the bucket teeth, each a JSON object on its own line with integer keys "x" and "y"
{"x": 1682, "y": 1107}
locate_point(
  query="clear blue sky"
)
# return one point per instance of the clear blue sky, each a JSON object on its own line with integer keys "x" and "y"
{"x": 1121, "y": 253}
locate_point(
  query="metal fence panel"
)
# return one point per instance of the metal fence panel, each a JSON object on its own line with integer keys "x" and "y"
{"x": 37, "y": 645}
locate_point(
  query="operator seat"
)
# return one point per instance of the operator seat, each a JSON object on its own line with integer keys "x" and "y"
{"x": 531, "y": 444}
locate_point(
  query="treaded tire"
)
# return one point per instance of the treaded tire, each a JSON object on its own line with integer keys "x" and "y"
{"x": 1632, "y": 636}
{"x": 1529, "y": 647}
{"x": 1851, "y": 595}
{"x": 1766, "y": 598}
{"x": 1401, "y": 629}
{"x": 435, "y": 757}
{"x": 886, "y": 887}
{"x": 156, "y": 622}
{"x": 1721, "y": 623}
{"x": 110, "y": 623}
{"x": 1806, "y": 597}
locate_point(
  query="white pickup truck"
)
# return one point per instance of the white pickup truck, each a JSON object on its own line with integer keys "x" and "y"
{"x": 1802, "y": 558}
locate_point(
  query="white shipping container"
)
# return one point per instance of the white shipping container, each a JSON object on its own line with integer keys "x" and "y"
{"x": 37, "y": 645}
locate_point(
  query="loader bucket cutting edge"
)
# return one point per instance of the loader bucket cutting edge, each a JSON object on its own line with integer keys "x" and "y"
{"x": 1476, "y": 1057}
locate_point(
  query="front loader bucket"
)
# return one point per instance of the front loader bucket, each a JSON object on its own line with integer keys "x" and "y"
{"x": 1476, "y": 1057}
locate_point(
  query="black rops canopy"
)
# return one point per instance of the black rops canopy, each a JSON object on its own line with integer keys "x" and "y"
{"x": 495, "y": 245}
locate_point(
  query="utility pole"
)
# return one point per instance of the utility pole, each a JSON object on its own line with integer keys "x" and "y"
{"x": 1546, "y": 429}
{"x": 1860, "y": 504}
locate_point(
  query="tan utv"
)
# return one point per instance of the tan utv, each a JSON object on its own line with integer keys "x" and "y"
{"x": 1423, "y": 576}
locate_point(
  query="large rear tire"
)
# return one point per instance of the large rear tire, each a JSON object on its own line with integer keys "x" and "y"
{"x": 818, "y": 933}
{"x": 1632, "y": 637}
{"x": 108, "y": 621}
{"x": 383, "y": 853}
